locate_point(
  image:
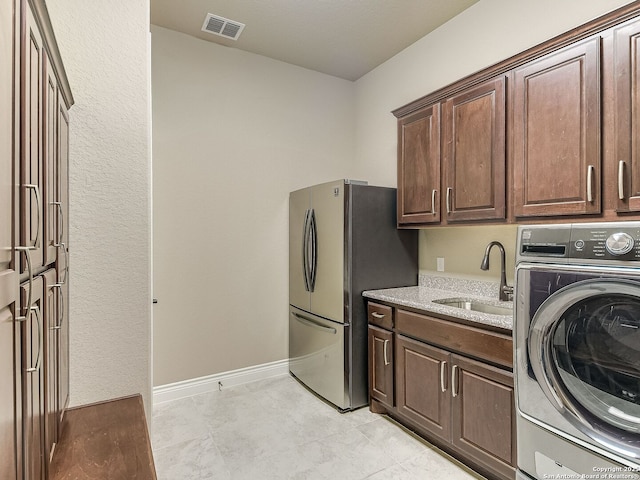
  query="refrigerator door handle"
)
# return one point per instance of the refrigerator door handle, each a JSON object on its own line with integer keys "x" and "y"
{"x": 314, "y": 250}
{"x": 305, "y": 250}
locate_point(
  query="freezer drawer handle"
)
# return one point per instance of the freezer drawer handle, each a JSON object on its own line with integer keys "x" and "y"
{"x": 311, "y": 323}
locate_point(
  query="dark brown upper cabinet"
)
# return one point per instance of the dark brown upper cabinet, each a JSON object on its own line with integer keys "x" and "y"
{"x": 419, "y": 167}
{"x": 550, "y": 133}
{"x": 626, "y": 119}
{"x": 557, "y": 158}
{"x": 473, "y": 154}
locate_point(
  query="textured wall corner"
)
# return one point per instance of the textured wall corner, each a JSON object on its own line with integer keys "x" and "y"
{"x": 105, "y": 49}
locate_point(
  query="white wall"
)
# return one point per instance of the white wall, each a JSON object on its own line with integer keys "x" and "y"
{"x": 234, "y": 133}
{"x": 486, "y": 33}
{"x": 105, "y": 49}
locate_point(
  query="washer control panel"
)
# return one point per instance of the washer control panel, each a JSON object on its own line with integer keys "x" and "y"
{"x": 617, "y": 241}
{"x": 606, "y": 241}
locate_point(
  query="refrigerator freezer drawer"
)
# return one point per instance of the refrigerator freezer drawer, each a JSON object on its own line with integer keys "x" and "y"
{"x": 317, "y": 355}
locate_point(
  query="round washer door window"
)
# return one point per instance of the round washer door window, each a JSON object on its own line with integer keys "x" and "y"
{"x": 584, "y": 344}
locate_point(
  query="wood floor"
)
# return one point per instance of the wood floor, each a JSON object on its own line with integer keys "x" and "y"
{"x": 106, "y": 440}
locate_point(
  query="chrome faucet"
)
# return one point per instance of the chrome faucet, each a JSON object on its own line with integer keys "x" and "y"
{"x": 506, "y": 292}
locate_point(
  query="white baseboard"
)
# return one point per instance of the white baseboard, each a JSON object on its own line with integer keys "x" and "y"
{"x": 210, "y": 383}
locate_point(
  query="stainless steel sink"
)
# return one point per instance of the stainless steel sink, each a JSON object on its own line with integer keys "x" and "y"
{"x": 475, "y": 306}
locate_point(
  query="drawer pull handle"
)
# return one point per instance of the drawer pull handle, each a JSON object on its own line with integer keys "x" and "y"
{"x": 377, "y": 315}
{"x": 454, "y": 389}
{"x": 443, "y": 367}
{"x": 384, "y": 352}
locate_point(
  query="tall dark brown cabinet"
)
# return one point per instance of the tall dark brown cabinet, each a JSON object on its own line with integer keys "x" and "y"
{"x": 34, "y": 357}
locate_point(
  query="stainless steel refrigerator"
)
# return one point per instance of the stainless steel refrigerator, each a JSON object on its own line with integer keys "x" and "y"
{"x": 342, "y": 240}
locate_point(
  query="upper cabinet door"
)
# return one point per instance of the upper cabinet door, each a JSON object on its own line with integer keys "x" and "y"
{"x": 626, "y": 65}
{"x": 474, "y": 153}
{"x": 557, "y": 133}
{"x": 31, "y": 174}
{"x": 62, "y": 192}
{"x": 419, "y": 167}
{"x": 51, "y": 203}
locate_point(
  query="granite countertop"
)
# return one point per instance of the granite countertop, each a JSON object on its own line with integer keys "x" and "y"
{"x": 432, "y": 288}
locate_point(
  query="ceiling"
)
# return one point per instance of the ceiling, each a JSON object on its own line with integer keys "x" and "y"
{"x": 343, "y": 38}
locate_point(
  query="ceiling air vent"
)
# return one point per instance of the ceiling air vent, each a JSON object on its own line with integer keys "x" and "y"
{"x": 222, "y": 26}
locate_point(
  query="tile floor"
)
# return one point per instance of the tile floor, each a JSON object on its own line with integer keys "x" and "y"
{"x": 277, "y": 429}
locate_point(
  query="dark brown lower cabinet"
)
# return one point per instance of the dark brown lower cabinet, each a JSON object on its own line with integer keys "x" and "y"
{"x": 381, "y": 365}
{"x": 483, "y": 414}
{"x": 422, "y": 393}
{"x": 463, "y": 405}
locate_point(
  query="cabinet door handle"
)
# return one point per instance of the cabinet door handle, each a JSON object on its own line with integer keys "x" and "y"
{"x": 449, "y": 192}
{"x": 61, "y": 306}
{"x": 621, "y": 179}
{"x": 60, "y": 222}
{"x": 590, "y": 173}
{"x": 36, "y": 367}
{"x": 36, "y": 190}
{"x": 27, "y": 253}
{"x": 377, "y": 315}
{"x": 454, "y": 381}
{"x": 384, "y": 352}
{"x": 66, "y": 261}
{"x": 434, "y": 210}
{"x": 443, "y": 367}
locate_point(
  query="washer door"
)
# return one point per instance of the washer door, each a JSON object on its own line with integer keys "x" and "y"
{"x": 584, "y": 348}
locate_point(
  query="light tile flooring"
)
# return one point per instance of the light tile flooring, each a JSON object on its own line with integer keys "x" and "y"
{"x": 277, "y": 429}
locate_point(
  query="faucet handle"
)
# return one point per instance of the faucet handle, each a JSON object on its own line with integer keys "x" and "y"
{"x": 507, "y": 293}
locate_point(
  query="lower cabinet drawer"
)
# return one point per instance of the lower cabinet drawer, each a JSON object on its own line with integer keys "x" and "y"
{"x": 476, "y": 342}
{"x": 380, "y": 315}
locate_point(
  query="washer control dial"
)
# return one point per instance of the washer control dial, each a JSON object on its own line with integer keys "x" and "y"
{"x": 619, "y": 243}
